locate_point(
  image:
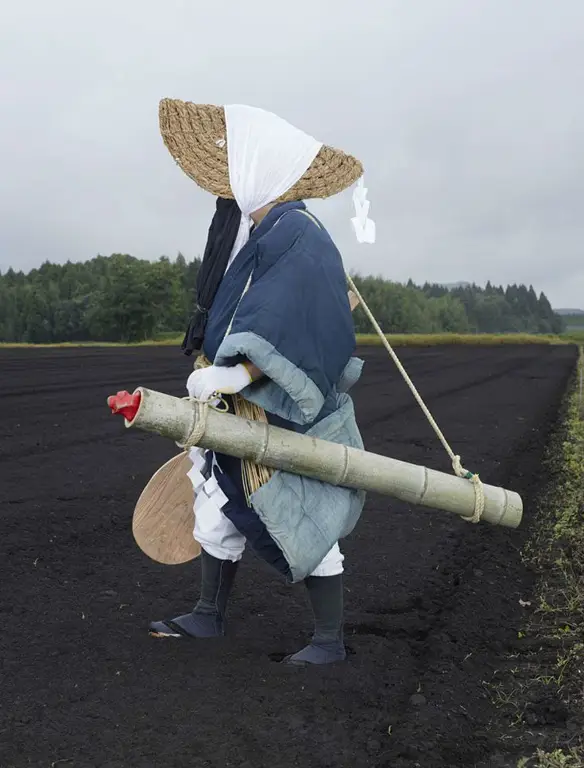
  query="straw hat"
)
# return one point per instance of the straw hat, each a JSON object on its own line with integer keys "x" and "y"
{"x": 195, "y": 135}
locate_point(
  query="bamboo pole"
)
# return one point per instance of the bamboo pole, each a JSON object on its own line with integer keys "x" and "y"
{"x": 177, "y": 418}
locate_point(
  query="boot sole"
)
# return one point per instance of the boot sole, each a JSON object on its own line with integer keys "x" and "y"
{"x": 162, "y": 634}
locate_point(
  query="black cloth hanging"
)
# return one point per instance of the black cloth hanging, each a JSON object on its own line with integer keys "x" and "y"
{"x": 220, "y": 240}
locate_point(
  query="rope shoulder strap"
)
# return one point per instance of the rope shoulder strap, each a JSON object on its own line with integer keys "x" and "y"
{"x": 457, "y": 467}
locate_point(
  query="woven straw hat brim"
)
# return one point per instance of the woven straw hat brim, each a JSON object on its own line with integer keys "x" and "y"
{"x": 196, "y": 137}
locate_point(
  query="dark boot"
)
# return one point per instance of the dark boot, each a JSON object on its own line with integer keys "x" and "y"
{"x": 327, "y": 646}
{"x": 208, "y": 616}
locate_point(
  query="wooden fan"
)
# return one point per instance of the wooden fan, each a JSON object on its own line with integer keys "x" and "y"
{"x": 163, "y": 519}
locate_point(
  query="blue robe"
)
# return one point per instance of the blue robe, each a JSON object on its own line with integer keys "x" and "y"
{"x": 295, "y": 324}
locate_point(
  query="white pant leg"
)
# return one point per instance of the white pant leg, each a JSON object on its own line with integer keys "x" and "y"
{"x": 214, "y": 532}
{"x": 217, "y": 534}
{"x": 331, "y": 564}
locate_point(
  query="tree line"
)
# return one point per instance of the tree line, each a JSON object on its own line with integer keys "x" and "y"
{"x": 122, "y": 298}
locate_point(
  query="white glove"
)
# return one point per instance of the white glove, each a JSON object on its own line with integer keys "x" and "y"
{"x": 218, "y": 379}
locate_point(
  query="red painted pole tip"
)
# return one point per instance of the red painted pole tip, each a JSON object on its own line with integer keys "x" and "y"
{"x": 125, "y": 403}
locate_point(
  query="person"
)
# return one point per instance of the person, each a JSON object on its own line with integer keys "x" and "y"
{"x": 274, "y": 335}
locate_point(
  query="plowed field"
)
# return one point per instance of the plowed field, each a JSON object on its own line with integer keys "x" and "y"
{"x": 432, "y": 602}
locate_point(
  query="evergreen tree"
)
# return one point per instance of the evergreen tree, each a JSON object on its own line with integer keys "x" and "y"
{"x": 121, "y": 298}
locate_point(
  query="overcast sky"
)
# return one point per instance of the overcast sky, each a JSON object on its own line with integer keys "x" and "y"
{"x": 467, "y": 114}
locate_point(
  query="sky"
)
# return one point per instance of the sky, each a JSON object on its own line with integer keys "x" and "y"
{"x": 467, "y": 115}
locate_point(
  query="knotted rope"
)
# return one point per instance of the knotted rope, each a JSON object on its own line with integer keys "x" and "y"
{"x": 200, "y": 425}
{"x": 459, "y": 470}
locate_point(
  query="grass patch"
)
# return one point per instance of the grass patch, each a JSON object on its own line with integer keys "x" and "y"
{"x": 541, "y": 685}
{"x": 164, "y": 342}
{"x": 396, "y": 340}
{"x": 470, "y": 339}
{"x": 575, "y": 336}
{"x": 556, "y": 759}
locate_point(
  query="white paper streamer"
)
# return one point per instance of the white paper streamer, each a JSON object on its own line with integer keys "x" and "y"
{"x": 363, "y": 226}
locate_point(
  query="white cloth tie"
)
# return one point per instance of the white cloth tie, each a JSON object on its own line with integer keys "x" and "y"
{"x": 266, "y": 157}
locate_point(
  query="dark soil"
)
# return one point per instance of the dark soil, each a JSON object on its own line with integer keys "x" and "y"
{"x": 432, "y": 602}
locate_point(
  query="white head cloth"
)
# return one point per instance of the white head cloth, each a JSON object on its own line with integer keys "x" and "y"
{"x": 266, "y": 157}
